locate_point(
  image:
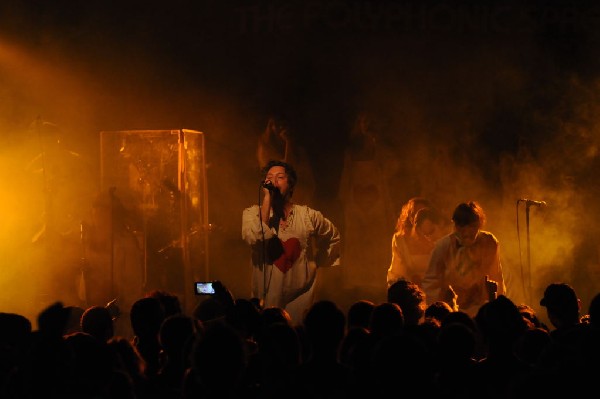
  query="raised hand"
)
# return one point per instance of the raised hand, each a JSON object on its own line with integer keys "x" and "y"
{"x": 451, "y": 298}
{"x": 491, "y": 288}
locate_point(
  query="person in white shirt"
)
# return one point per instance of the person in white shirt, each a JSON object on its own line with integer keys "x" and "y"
{"x": 418, "y": 227}
{"x": 289, "y": 242}
{"x": 465, "y": 262}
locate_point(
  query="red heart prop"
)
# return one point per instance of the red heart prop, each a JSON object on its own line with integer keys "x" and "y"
{"x": 291, "y": 252}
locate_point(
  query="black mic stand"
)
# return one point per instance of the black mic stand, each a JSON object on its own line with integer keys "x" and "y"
{"x": 111, "y": 192}
{"x": 82, "y": 288}
{"x": 527, "y": 205}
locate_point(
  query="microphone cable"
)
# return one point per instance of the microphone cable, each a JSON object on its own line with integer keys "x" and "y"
{"x": 263, "y": 257}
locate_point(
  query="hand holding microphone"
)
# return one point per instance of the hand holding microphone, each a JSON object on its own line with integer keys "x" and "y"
{"x": 268, "y": 184}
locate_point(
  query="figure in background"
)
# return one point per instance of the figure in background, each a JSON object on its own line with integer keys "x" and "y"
{"x": 278, "y": 142}
{"x": 418, "y": 227}
{"x": 289, "y": 242}
{"x": 113, "y": 257}
{"x": 367, "y": 212}
{"x": 61, "y": 186}
{"x": 465, "y": 262}
{"x": 66, "y": 180}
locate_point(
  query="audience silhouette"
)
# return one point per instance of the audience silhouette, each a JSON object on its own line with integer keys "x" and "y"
{"x": 231, "y": 348}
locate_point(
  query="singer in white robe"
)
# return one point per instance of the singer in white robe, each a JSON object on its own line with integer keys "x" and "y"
{"x": 308, "y": 241}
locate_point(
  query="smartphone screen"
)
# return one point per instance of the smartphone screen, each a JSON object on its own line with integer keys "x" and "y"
{"x": 204, "y": 288}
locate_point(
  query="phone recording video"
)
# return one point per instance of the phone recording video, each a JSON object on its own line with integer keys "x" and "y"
{"x": 204, "y": 288}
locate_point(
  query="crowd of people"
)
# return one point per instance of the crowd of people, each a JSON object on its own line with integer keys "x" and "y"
{"x": 235, "y": 348}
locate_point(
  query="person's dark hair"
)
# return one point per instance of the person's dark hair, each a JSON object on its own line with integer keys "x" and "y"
{"x": 274, "y": 314}
{"x": 359, "y": 314}
{"x": 561, "y": 300}
{"x": 170, "y": 301}
{"x": 324, "y": 324}
{"x": 411, "y": 299}
{"x": 289, "y": 171}
{"x": 457, "y": 341}
{"x": 386, "y": 319}
{"x": 500, "y": 322}
{"x": 427, "y": 213}
{"x": 408, "y": 212}
{"x": 97, "y": 321}
{"x": 531, "y": 317}
{"x": 438, "y": 310}
{"x": 218, "y": 360}
{"x": 146, "y": 316}
{"x": 467, "y": 213}
{"x": 176, "y": 331}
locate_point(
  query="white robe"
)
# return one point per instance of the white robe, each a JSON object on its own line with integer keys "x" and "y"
{"x": 464, "y": 268}
{"x": 310, "y": 241}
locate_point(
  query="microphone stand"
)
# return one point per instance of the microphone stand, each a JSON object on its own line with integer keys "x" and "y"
{"x": 111, "y": 192}
{"x": 527, "y": 205}
{"x": 82, "y": 289}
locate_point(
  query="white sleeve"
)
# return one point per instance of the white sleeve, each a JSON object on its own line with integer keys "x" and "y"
{"x": 328, "y": 240}
{"x": 253, "y": 229}
{"x": 433, "y": 279}
{"x": 397, "y": 268}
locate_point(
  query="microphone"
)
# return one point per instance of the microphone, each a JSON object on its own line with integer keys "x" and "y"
{"x": 529, "y": 202}
{"x": 268, "y": 184}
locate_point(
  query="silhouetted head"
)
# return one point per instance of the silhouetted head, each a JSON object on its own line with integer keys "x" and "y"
{"x": 97, "y": 321}
{"x": 219, "y": 360}
{"x": 530, "y": 316}
{"x": 16, "y": 330}
{"x": 500, "y": 323}
{"x": 74, "y": 321}
{"x": 561, "y": 303}
{"x": 359, "y": 313}
{"x": 460, "y": 317}
{"x": 411, "y": 299}
{"x": 274, "y": 314}
{"x": 128, "y": 355}
{"x": 170, "y": 302}
{"x": 176, "y": 332}
{"x": 146, "y": 316}
{"x": 209, "y": 309}
{"x": 280, "y": 346}
{"x": 456, "y": 341}
{"x": 324, "y": 324}
{"x": 532, "y": 344}
{"x": 386, "y": 319}
{"x": 53, "y": 320}
{"x": 244, "y": 317}
{"x": 438, "y": 310}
